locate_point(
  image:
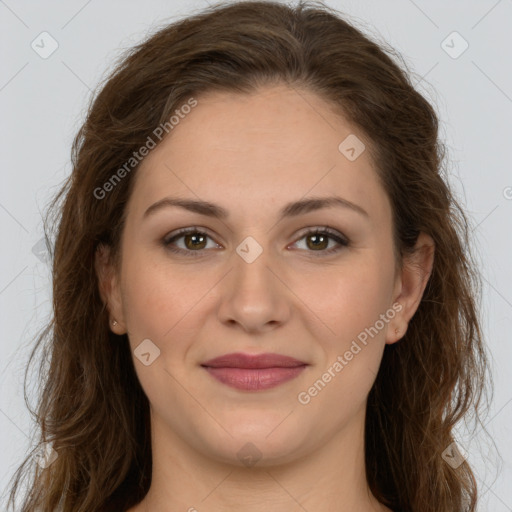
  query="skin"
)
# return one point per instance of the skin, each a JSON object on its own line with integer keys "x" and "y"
{"x": 252, "y": 154}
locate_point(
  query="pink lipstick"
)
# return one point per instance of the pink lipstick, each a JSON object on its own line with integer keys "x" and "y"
{"x": 254, "y": 372}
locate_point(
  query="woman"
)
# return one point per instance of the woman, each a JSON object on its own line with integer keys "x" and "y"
{"x": 263, "y": 295}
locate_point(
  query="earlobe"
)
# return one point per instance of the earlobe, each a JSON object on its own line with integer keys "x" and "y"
{"x": 109, "y": 288}
{"x": 416, "y": 271}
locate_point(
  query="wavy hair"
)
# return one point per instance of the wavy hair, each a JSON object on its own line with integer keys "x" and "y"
{"x": 91, "y": 408}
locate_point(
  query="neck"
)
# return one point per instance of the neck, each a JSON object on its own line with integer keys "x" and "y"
{"x": 331, "y": 478}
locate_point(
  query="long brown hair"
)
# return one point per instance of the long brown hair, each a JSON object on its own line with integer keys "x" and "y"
{"x": 92, "y": 409}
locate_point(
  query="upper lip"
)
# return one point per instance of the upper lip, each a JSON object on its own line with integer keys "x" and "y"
{"x": 250, "y": 361}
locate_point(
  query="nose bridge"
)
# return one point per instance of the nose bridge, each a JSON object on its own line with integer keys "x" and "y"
{"x": 251, "y": 273}
{"x": 254, "y": 297}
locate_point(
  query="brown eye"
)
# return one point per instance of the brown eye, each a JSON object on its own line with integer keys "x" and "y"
{"x": 195, "y": 241}
{"x": 188, "y": 242}
{"x": 315, "y": 241}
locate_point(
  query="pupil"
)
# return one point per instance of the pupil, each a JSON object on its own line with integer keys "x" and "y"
{"x": 318, "y": 238}
{"x": 193, "y": 245}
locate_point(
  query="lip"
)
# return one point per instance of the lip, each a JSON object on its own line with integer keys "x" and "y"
{"x": 254, "y": 372}
{"x": 253, "y": 361}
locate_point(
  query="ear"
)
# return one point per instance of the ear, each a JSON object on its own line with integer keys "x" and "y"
{"x": 410, "y": 285}
{"x": 108, "y": 284}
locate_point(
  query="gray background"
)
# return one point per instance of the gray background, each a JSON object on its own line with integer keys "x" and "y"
{"x": 42, "y": 103}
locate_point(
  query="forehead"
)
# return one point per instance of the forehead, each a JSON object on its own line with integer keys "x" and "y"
{"x": 276, "y": 144}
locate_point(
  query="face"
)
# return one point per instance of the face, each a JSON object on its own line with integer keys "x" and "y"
{"x": 263, "y": 271}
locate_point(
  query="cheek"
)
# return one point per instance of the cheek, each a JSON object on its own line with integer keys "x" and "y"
{"x": 349, "y": 297}
{"x": 351, "y": 303}
{"x": 157, "y": 296}
{"x": 161, "y": 304}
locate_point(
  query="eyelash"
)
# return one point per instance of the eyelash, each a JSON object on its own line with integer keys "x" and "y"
{"x": 326, "y": 231}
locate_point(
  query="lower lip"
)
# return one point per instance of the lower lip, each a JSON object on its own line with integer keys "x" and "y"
{"x": 254, "y": 379}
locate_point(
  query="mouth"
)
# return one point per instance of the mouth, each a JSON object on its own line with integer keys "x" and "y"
{"x": 254, "y": 372}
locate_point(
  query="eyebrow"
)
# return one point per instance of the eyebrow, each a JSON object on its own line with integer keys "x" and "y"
{"x": 290, "y": 210}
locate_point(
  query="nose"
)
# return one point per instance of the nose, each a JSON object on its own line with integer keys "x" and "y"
{"x": 254, "y": 296}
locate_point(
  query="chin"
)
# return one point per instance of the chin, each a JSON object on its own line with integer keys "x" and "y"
{"x": 252, "y": 444}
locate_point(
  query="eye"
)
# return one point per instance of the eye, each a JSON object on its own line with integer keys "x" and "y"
{"x": 194, "y": 241}
{"x": 317, "y": 240}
